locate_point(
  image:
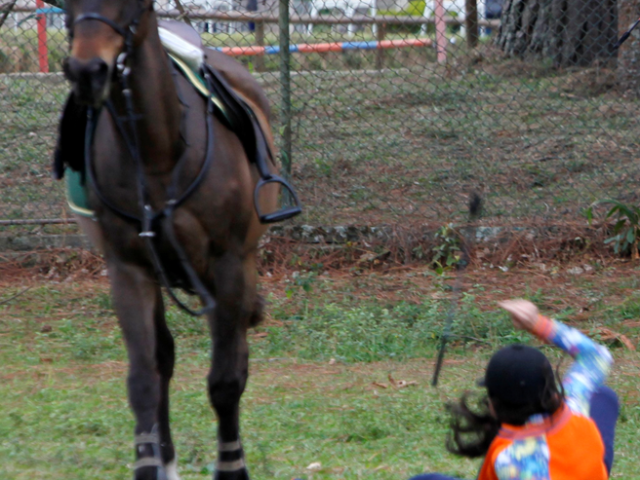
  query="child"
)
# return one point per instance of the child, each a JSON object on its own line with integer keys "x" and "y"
{"x": 531, "y": 428}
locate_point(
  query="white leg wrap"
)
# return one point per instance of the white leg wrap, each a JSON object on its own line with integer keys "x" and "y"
{"x": 233, "y": 466}
{"x": 171, "y": 469}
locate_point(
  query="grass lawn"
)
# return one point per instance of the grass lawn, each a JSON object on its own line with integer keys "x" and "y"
{"x": 320, "y": 389}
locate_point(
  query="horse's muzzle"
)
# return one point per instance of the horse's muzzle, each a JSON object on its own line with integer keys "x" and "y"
{"x": 90, "y": 79}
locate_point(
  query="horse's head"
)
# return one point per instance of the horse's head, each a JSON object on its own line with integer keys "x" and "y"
{"x": 100, "y": 31}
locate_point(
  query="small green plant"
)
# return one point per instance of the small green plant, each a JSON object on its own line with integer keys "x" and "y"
{"x": 300, "y": 281}
{"x": 447, "y": 252}
{"x": 626, "y": 230}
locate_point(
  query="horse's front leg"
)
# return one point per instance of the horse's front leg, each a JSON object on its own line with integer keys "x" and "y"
{"x": 235, "y": 292}
{"x": 165, "y": 356}
{"x": 138, "y": 303}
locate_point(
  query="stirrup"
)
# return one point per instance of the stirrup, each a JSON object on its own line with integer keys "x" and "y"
{"x": 282, "y": 214}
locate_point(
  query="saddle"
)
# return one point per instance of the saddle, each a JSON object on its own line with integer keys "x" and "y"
{"x": 184, "y": 46}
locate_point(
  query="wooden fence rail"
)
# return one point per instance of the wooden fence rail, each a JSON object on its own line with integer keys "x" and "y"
{"x": 258, "y": 17}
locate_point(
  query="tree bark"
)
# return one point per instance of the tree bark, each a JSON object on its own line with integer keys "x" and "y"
{"x": 629, "y": 52}
{"x": 569, "y": 32}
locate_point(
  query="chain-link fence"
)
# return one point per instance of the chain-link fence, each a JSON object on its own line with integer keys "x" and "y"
{"x": 386, "y": 111}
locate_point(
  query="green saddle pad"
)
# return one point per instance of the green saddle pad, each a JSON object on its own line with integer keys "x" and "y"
{"x": 77, "y": 194}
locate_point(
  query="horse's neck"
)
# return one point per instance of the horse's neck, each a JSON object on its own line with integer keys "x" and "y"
{"x": 156, "y": 104}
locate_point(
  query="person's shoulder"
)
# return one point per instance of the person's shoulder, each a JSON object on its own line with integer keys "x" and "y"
{"x": 584, "y": 427}
{"x": 524, "y": 458}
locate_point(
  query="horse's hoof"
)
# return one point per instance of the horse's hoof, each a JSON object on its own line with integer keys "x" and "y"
{"x": 237, "y": 475}
{"x": 151, "y": 473}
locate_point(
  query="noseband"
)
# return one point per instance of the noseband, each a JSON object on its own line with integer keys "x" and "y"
{"x": 149, "y": 218}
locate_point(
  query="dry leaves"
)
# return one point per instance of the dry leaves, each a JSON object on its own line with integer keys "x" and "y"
{"x": 401, "y": 383}
{"x": 396, "y": 383}
{"x": 607, "y": 334}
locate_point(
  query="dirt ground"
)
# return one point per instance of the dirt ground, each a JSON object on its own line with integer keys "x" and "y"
{"x": 584, "y": 284}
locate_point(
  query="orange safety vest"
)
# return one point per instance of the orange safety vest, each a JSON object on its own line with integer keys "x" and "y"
{"x": 576, "y": 451}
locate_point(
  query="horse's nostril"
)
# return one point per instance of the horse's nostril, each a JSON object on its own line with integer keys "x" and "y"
{"x": 99, "y": 75}
{"x": 70, "y": 69}
{"x": 76, "y": 69}
{"x": 98, "y": 66}
{"x": 90, "y": 78}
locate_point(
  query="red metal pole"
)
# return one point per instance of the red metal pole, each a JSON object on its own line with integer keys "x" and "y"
{"x": 441, "y": 32}
{"x": 43, "y": 48}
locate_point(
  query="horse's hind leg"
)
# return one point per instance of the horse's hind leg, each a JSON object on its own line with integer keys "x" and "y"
{"x": 235, "y": 296}
{"x": 137, "y": 302}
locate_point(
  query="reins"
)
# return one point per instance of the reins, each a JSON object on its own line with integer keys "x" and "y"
{"x": 149, "y": 217}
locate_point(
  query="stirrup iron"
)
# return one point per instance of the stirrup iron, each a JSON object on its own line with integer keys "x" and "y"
{"x": 282, "y": 214}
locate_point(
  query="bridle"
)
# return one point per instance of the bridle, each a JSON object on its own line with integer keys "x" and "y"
{"x": 149, "y": 218}
{"x": 127, "y": 32}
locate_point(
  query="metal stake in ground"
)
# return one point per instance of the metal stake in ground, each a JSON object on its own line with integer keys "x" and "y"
{"x": 475, "y": 210}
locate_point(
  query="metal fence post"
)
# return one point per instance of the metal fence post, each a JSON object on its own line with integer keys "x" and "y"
{"x": 285, "y": 87}
{"x": 259, "y": 36}
{"x": 380, "y": 34}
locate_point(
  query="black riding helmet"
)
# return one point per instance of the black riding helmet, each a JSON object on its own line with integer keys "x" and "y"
{"x": 517, "y": 375}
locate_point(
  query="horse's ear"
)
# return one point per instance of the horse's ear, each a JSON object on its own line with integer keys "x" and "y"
{"x": 71, "y": 133}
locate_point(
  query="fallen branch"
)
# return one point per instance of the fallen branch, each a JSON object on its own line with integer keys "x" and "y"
{"x": 607, "y": 334}
{"x": 183, "y": 12}
{"x": 473, "y": 339}
{"x": 3, "y": 302}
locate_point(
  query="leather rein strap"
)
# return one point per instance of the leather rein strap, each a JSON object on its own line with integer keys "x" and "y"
{"x": 150, "y": 218}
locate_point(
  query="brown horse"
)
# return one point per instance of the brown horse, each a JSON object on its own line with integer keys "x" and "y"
{"x": 154, "y": 160}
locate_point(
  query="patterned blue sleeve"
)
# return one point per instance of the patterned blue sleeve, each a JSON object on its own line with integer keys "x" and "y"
{"x": 588, "y": 372}
{"x": 524, "y": 459}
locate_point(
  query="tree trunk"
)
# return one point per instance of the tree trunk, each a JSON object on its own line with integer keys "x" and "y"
{"x": 629, "y": 53}
{"x": 569, "y": 32}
